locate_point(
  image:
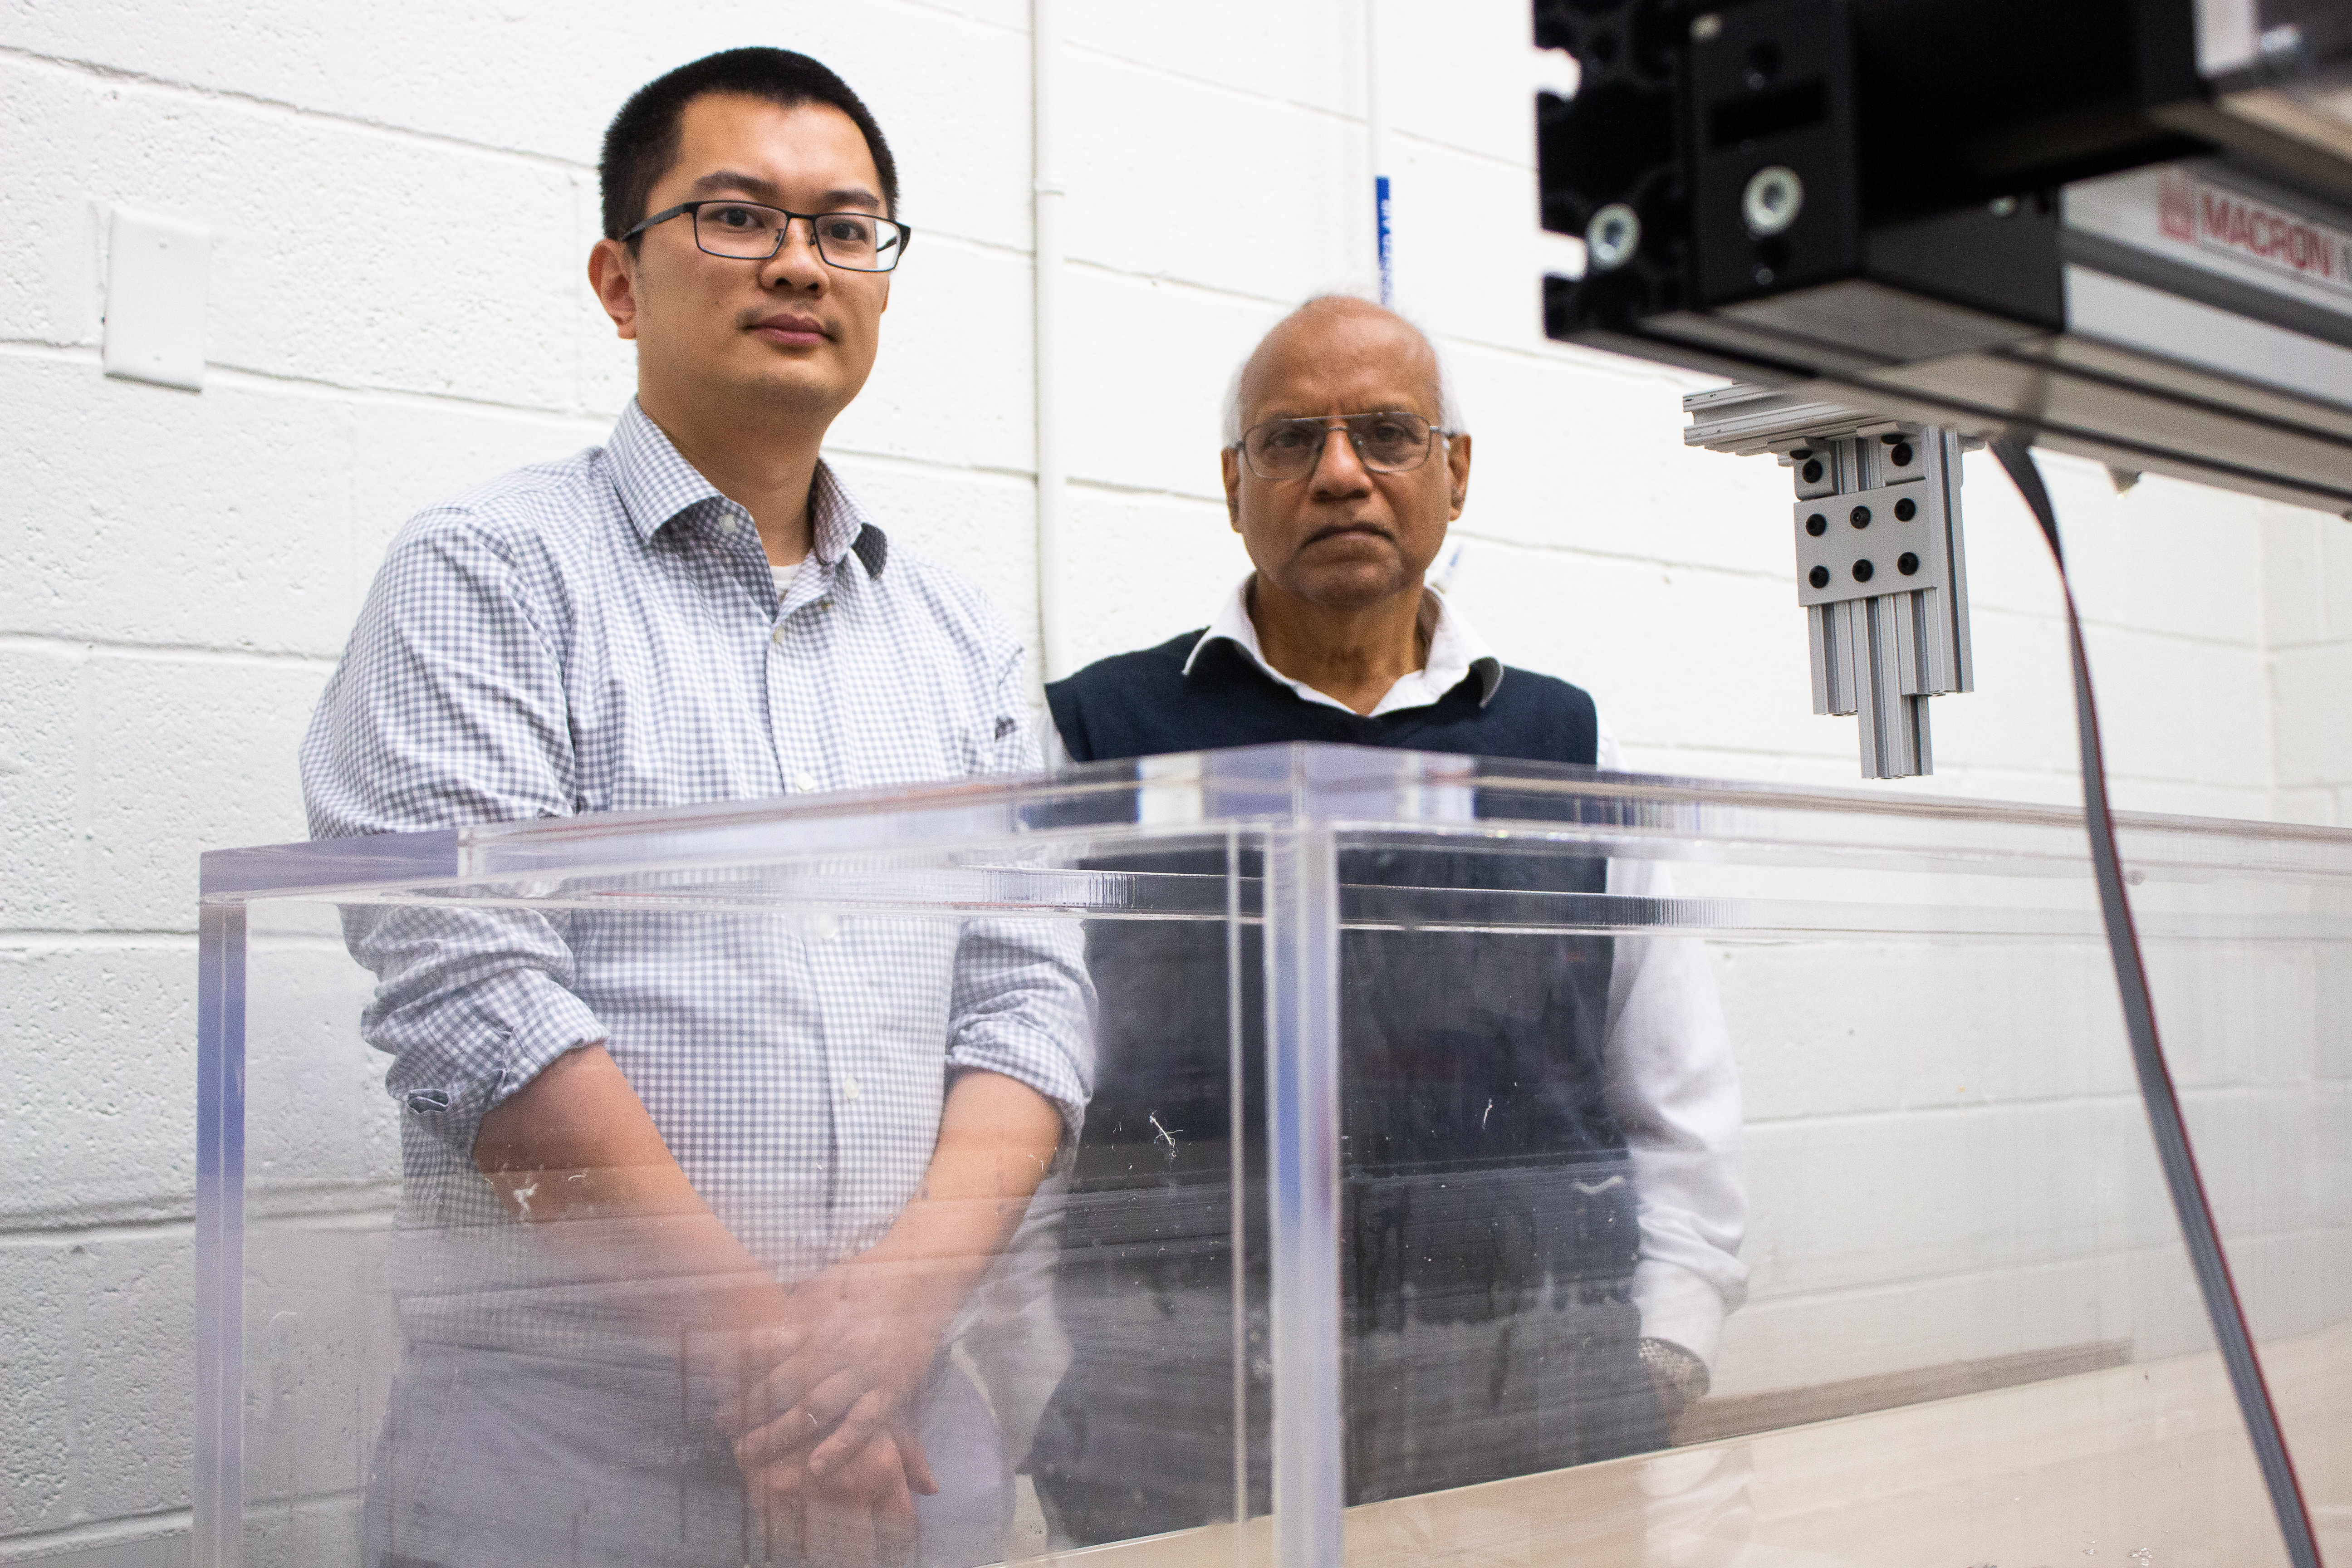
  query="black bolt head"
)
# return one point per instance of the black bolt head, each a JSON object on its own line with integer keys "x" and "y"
{"x": 1859, "y": 517}
{"x": 1902, "y": 455}
{"x": 1908, "y": 563}
{"x": 1906, "y": 510}
{"x": 1817, "y": 525}
{"x": 1812, "y": 471}
{"x": 1819, "y": 576}
{"x": 1864, "y": 571}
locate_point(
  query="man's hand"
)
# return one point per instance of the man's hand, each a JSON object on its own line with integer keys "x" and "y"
{"x": 1679, "y": 1377}
{"x": 824, "y": 1429}
{"x": 856, "y": 1343}
{"x": 861, "y": 1515}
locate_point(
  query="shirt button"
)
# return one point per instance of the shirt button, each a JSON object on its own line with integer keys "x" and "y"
{"x": 804, "y": 782}
{"x": 825, "y": 604}
{"x": 778, "y": 634}
{"x": 849, "y": 1089}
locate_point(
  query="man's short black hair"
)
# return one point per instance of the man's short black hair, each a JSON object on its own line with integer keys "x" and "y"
{"x": 641, "y": 143}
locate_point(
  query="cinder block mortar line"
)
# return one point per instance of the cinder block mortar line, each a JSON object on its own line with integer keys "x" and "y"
{"x": 1112, "y": 486}
{"x": 934, "y": 238}
{"x": 1324, "y": 112}
{"x": 1570, "y": 356}
{"x": 172, "y": 1215}
{"x": 76, "y": 348}
{"x": 1912, "y": 1115}
{"x": 250, "y": 102}
{"x": 247, "y": 380}
{"x": 1959, "y": 780}
{"x": 2284, "y": 643}
{"x": 79, "y": 649}
{"x": 1558, "y": 355}
{"x": 30, "y": 942}
{"x": 940, "y": 8}
{"x": 2127, "y": 629}
{"x": 18, "y": 941}
{"x": 1842, "y": 751}
{"x": 1525, "y": 166}
{"x": 1338, "y": 116}
{"x": 33, "y": 1235}
{"x": 1285, "y": 301}
{"x": 302, "y": 1503}
{"x": 2001, "y": 1269}
{"x": 1834, "y": 769}
{"x": 1969, "y": 781}
{"x": 129, "y": 1531}
{"x": 100, "y": 70}
{"x": 594, "y": 423}
{"x": 1170, "y": 73}
{"x": 1676, "y": 564}
{"x": 2112, "y": 629}
{"x": 1982, "y": 611}
{"x": 1025, "y": 478}
{"x": 2102, "y": 623}
{"x": 47, "y": 349}
{"x": 1208, "y": 291}
{"x": 1749, "y": 574}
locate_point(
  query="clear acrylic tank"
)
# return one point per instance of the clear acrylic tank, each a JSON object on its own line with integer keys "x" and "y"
{"x": 1294, "y": 1272}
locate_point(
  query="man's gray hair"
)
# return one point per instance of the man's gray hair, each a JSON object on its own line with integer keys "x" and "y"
{"x": 1449, "y": 413}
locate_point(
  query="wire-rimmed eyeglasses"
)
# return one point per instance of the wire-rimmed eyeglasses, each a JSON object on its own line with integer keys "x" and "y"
{"x": 853, "y": 241}
{"x": 1387, "y": 442}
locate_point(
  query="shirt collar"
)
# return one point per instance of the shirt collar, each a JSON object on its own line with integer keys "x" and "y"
{"x": 657, "y": 486}
{"x": 1456, "y": 652}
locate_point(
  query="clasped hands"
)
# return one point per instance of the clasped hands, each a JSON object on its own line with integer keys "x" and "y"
{"x": 822, "y": 1428}
{"x": 826, "y": 1374}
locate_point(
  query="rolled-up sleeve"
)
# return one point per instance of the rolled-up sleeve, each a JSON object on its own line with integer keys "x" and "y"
{"x": 447, "y": 708}
{"x": 1022, "y": 1003}
{"x": 1023, "y": 1006}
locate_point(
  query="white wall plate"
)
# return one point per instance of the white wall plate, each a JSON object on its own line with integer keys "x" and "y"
{"x": 155, "y": 283}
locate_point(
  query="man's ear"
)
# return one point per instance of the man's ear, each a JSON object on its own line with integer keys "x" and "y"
{"x": 1231, "y": 461}
{"x": 613, "y": 273}
{"x": 1457, "y": 464}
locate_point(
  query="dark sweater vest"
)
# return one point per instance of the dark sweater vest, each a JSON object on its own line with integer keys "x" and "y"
{"x": 1462, "y": 1051}
{"x": 1483, "y": 1173}
{"x": 1143, "y": 704}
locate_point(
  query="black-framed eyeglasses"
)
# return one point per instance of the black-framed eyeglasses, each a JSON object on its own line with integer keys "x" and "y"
{"x": 1387, "y": 442}
{"x": 853, "y": 241}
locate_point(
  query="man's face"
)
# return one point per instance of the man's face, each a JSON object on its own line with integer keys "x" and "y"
{"x": 1344, "y": 536}
{"x": 788, "y": 334}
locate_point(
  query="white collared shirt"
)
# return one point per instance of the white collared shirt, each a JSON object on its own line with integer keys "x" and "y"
{"x": 1456, "y": 650}
{"x": 1673, "y": 1083}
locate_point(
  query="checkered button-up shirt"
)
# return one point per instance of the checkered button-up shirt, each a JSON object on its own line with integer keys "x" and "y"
{"x": 605, "y": 634}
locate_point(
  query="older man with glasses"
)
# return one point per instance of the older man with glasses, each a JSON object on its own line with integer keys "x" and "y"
{"x": 1541, "y": 1201}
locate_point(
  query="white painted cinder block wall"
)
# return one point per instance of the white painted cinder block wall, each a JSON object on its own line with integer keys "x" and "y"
{"x": 183, "y": 567}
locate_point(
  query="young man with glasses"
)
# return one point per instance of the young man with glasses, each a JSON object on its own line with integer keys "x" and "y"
{"x": 1541, "y": 1198}
{"x": 691, "y": 1207}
